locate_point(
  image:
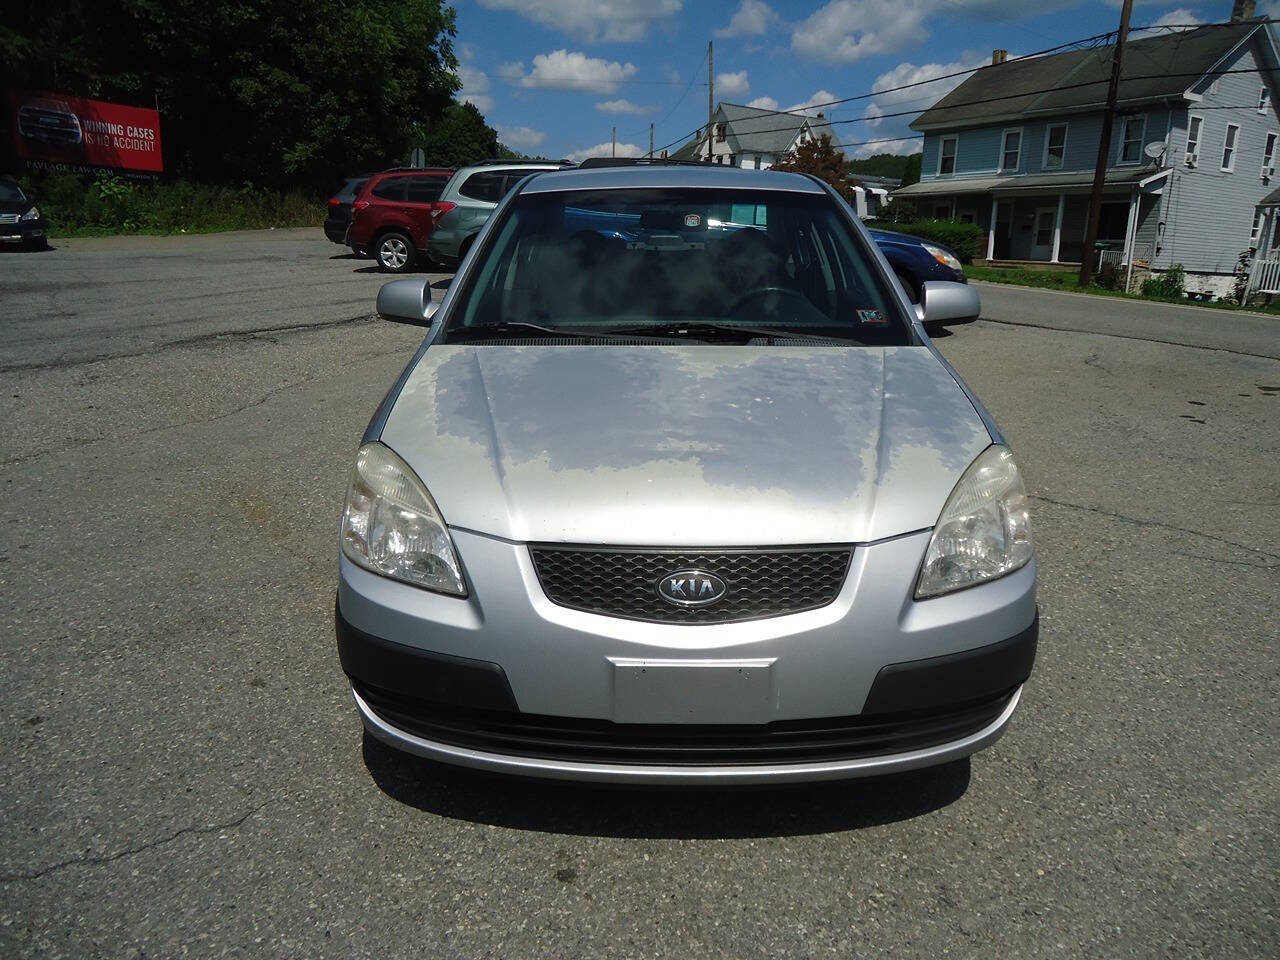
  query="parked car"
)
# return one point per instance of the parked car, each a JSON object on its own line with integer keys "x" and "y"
{"x": 394, "y": 214}
{"x": 20, "y": 219}
{"x": 468, "y": 199}
{"x": 339, "y": 217}
{"x": 53, "y": 122}
{"x": 700, "y": 506}
{"x": 917, "y": 262}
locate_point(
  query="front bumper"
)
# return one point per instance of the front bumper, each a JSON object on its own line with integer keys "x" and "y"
{"x": 24, "y": 231}
{"x": 505, "y": 680}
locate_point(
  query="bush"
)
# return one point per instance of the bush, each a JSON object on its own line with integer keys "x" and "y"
{"x": 108, "y": 204}
{"x": 1167, "y": 285}
{"x": 966, "y": 239}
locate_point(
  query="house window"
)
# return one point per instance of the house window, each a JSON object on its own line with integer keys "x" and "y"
{"x": 1229, "y": 144}
{"x": 942, "y": 211}
{"x": 1132, "y": 133}
{"x": 1193, "y": 140}
{"x": 1256, "y": 228}
{"x": 947, "y": 156}
{"x": 1011, "y": 151}
{"x": 719, "y": 133}
{"x": 1269, "y": 157}
{"x": 731, "y": 159}
{"x": 1264, "y": 99}
{"x": 1055, "y": 147}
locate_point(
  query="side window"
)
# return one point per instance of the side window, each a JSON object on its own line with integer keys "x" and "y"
{"x": 485, "y": 186}
{"x": 513, "y": 177}
{"x": 424, "y": 189}
{"x": 391, "y": 188}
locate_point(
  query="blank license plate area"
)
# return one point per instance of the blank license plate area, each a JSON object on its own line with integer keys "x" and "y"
{"x": 691, "y": 691}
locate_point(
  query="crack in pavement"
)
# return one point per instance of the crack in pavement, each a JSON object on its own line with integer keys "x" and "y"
{"x": 1235, "y": 563}
{"x": 1154, "y": 523}
{"x": 80, "y": 444}
{"x": 1127, "y": 336}
{"x": 194, "y": 341}
{"x": 130, "y": 851}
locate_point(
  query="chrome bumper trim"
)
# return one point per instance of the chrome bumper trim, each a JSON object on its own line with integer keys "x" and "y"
{"x": 657, "y": 774}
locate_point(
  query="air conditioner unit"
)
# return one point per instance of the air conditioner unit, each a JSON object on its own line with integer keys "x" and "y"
{"x": 1193, "y": 159}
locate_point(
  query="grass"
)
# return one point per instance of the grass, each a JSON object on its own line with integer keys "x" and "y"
{"x": 1067, "y": 280}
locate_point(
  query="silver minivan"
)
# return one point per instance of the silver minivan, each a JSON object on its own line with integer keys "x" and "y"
{"x": 678, "y": 490}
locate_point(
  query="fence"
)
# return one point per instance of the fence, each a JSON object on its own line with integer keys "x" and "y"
{"x": 1141, "y": 254}
{"x": 1265, "y": 277}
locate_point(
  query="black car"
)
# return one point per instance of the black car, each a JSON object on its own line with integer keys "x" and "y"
{"x": 20, "y": 218}
{"x": 335, "y": 225}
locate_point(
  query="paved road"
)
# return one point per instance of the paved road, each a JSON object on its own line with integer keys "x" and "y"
{"x": 182, "y": 772}
{"x": 1248, "y": 333}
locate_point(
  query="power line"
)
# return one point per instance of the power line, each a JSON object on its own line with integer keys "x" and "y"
{"x": 804, "y": 111}
{"x": 1010, "y": 96}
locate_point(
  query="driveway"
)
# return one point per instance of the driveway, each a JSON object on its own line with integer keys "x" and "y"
{"x": 182, "y": 771}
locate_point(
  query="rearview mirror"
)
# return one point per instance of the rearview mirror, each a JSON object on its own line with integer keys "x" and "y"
{"x": 946, "y": 300}
{"x": 407, "y": 301}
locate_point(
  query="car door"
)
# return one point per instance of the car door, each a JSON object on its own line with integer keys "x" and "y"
{"x": 420, "y": 196}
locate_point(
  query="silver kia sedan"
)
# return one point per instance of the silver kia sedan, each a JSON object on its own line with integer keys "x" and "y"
{"x": 678, "y": 490}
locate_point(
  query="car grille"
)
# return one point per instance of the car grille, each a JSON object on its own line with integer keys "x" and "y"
{"x": 8, "y": 218}
{"x": 828, "y": 739}
{"x": 623, "y": 583}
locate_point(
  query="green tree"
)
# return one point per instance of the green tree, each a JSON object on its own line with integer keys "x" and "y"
{"x": 273, "y": 92}
{"x": 911, "y": 173}
{"x": 460, "y": 136}
{"x": 820, "y": 157}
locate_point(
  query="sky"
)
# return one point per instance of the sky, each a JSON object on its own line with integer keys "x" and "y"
{"x": 556, "y": 76}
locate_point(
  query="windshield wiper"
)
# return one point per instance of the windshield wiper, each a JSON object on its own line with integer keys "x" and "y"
{"x": 715, "y": 332}
{"x": 505, "y": 330}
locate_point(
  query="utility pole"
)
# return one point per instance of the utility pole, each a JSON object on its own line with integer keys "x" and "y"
{"x": 1104, "y": 149}
{"x": 651, "y": 141}
{"x": 614, "y": 152}
{"x": 711, "y": 97}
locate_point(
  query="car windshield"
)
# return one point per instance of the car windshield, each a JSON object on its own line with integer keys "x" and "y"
{"x": 10, "y": 192}
{"x": 678, "y": 262}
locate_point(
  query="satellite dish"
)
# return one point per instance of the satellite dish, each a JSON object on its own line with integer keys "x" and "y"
{"x": 1154, "y": 149}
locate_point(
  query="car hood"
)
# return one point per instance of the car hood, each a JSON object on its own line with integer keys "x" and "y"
{"x": 15, "y": 206}
{"x": 685, "y": 445}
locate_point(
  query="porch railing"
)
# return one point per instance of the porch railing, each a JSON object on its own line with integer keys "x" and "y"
{"x": 1265, "y": 277}
{"x": 1141, "y": 252}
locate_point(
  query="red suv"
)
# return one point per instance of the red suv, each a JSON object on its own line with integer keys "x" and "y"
{"x": 393, "y": 216}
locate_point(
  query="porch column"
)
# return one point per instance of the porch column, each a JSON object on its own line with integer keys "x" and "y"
{"x": 1057, "y": 228}
{"x": 1129, "y": 232}
{"x": 991, "y": 231}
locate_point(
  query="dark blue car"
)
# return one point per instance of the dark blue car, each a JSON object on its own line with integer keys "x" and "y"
{"x": 916, "y": 261}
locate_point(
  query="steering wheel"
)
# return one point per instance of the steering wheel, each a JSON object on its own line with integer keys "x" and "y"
{"x": 764, "y": 291}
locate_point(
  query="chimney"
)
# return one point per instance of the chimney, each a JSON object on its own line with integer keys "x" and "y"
{"x": 1242, "y": 10}
{"x": 998, "y": 57}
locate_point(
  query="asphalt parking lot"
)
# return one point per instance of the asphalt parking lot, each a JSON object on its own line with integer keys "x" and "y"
{"x": 183, "y": 772}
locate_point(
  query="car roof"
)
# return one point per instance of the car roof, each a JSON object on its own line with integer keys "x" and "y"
{"x": 524, "y": 165}
{"x": 710, "y": 176}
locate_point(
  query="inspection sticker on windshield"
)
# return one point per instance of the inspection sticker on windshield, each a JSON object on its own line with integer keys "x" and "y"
{"x": 873, "y": 318}
{"x": 692, "y": 220}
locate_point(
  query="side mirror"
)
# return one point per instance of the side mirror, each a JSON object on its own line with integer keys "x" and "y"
{"x": 407, "y": 301}
{"x": 945, "y": 300}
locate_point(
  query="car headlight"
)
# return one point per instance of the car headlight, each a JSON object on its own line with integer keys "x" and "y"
{"x": 391, "y": 525}
{"x": 32, "y": 214}
{"x": 944, "y": 257}
{"x": 984, "y": 531}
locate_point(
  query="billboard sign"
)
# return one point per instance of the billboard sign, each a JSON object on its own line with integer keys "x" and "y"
{"x": 57, "y": 130}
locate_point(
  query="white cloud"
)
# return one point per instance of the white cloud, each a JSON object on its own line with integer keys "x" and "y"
{"x": 521, "y": 136}
{"x": 625, "y": 106}
{"x": 565, "y": 70}
{"x": 751, "y": 20}
{"x": 475, "y": 88}
{"x": 932, "y": 89}
{"x": 845, "y": 31}
{"x": 1182, "y": 18}
{"x": 732, "y": 84}
{"x": 764, "y": 103}
{"x": 810, "y": 104}
{"x": 613, "y": 21}
{"x": 604, "y": 150}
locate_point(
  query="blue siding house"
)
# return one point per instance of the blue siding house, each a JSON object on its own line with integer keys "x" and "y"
{"x": 1194, "y": 152}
